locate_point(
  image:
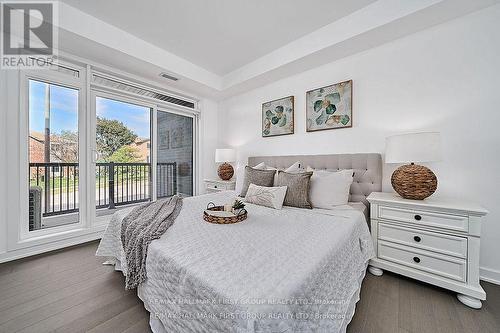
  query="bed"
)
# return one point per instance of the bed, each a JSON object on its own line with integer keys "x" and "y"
{"x": 293, "y": 270}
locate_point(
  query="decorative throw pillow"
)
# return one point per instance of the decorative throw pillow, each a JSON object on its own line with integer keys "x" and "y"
{"x": 330, "y": 189}
{"x": 266, "y": 196}
{"x": 240, "y": 175}
{"x": 257, "y": 177}
{"x": 294, "y": 168}
{"x": 297, "y": 193}
{"x": 261, "y": 166}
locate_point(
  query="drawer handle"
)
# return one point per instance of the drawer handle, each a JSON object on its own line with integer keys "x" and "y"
{"x": 418, "y": 217}
{"x": 416, "y": 259}
{"x": 215, "y": 186}
{"x": 417, "y": 239}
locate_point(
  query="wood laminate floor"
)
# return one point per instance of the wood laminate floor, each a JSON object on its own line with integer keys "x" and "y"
{"x": 71, "y": 291}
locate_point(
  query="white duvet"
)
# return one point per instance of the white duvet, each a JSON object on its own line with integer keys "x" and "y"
{"x": 289, "y": 270}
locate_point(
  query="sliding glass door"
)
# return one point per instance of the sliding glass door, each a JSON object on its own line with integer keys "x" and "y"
{"x": 132, "y": 166}
{"x": 175, "y": 148}
{"x": 89, "y": 148}
{"x": 122, "y": 153}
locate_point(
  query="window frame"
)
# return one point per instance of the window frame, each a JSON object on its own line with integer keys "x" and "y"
{"x": 196, "y": 155}
{"x": 21, "y": 243}
{"x": 157, "y": 107}
{"x": 94, "y": 93}
{"x": 23, "y": 235}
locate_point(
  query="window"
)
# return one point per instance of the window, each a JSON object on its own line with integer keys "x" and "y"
{"x": 123, "y": 168}
{"x": 83, "y": 160}
{"x": 53, "y": 154}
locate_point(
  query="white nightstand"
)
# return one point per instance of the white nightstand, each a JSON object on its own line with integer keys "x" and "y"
{"x": 432, "y": 240}
{"x": 217, "y": 185}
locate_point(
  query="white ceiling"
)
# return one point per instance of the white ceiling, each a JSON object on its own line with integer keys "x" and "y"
{"x": 219, "y": 35}
{"x": 250, "y": 45}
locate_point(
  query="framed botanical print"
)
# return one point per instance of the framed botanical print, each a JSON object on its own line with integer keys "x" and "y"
{"x": 177, "y": 140}
{"x": 164, "y": 140}
{"x": 329, "y": 107}
{"x": 277, "y": 117}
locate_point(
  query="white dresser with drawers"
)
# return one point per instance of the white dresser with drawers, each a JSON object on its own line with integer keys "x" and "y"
{"x": 432, "y": 240}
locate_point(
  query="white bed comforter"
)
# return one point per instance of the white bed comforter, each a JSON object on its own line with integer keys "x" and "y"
{"x": 290, "y": 270}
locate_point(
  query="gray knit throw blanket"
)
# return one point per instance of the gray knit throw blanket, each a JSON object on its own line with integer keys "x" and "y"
{"x": 140, "y": 227}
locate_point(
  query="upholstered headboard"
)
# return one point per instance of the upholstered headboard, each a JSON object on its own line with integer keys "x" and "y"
{"x": 367, "y": 169}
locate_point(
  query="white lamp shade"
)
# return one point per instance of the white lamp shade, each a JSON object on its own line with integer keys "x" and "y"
{"x": 225, "y": 155}
{"x": 414, "y": 147}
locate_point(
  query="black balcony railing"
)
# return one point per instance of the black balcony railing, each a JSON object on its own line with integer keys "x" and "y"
{"x": 116, "y": 184}
{"x": 166, "y": 179}
{"x": 58, "y": 183}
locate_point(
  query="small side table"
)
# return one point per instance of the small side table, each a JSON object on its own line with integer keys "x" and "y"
{"x": 217, "y": 185}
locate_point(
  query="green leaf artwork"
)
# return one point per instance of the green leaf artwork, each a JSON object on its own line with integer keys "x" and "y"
{"x": 282, "y": 121}
{"x": 345, "y": 119}
{"x": 329, "y": 107}
{"x": 277, "y": 117}
{"x": 333, "y": 98}
{"x": 318, "y": 105}
{"x": 322, "y": 118}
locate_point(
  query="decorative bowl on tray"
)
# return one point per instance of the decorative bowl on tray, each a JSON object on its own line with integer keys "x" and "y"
{"x": 217, "y": 214}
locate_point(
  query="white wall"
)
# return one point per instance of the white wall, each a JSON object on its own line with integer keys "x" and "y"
{"x": 3, "y": 162}
{"x": 445, "y": 79}
{"x": 208, "y": 141}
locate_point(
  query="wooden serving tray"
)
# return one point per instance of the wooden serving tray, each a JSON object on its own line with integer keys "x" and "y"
{"x": 217, "y": 215}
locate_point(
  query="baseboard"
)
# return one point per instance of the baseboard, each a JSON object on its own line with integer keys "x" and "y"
{"x": 38, "y": 249}
{"x": 489, "y": 275}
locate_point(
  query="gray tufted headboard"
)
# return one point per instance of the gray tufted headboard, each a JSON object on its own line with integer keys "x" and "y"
{"x": 367, "y": 169}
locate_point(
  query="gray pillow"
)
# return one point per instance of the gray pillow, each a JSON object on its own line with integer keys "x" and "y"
{"x": 297, "y": 193}
{"x": 257, "y": 177}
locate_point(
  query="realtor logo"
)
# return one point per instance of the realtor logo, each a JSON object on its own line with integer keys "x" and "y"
{"x": 29, "y": 34}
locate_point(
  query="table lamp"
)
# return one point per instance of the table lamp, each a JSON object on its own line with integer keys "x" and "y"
{"x": 412, "y": 181}
{"x": 225, "y": 170}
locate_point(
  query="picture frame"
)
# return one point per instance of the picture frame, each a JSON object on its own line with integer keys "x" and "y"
{"x": 278, "y": 117}
{"x": 177, "y": 138}
{"x": 164, "y": 141}
{"x": 329, "y": 107}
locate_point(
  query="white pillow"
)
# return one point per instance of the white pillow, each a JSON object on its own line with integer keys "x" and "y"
{"x": 272, "y": 197}
{"x": 261, "y": 166}
{"x": 349, "y": 173}
{"x": 294, "y": 168}
{"x": 329, "y": 189}
{"x": 240, "y": 175}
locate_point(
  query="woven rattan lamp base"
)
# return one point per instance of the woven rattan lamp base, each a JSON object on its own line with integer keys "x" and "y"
{"x": 225, "y": 171}
{"x": 413, "y": 181}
